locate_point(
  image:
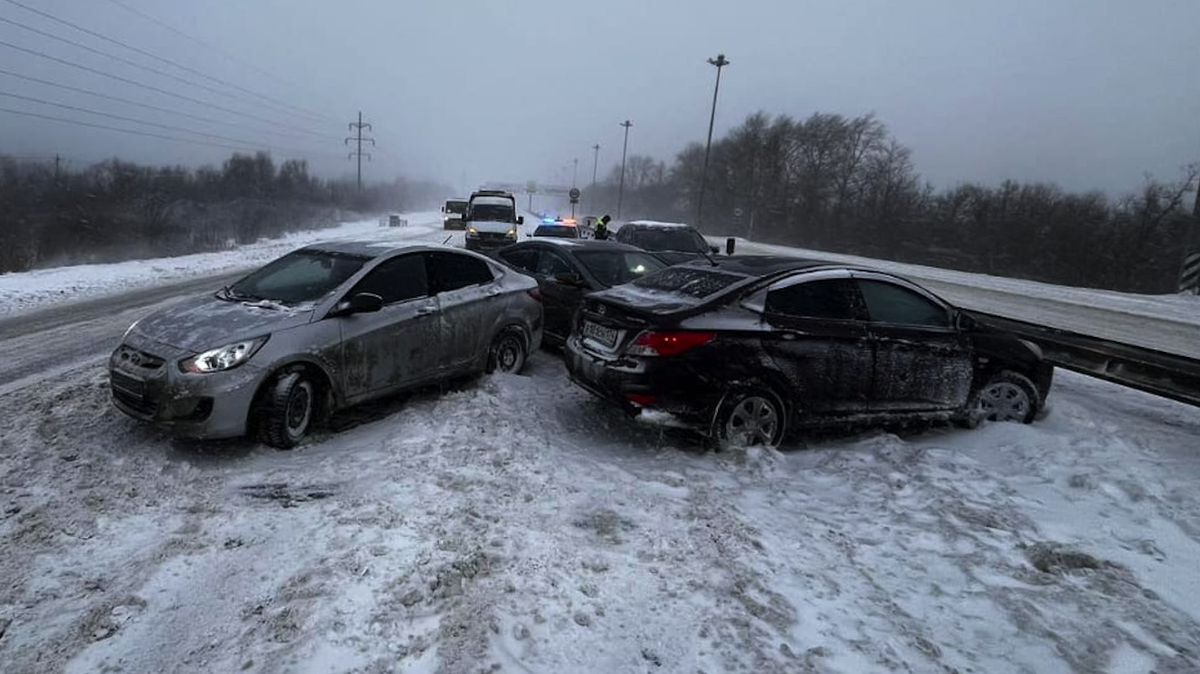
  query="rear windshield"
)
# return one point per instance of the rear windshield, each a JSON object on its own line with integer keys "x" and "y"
{"x": 691, "y": 281}
{"x": 675, "y": 238}
{"x": 456, "y": 207}
{"x": 614, "y": 267}
{"x": 561, "y": 231}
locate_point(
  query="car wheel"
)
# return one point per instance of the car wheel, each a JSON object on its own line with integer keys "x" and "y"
{"x": 508, "y": 352}
{"x": 750, "y": 417}
{"x": 1007, "y": 396}
{"x": 289, "y": 409}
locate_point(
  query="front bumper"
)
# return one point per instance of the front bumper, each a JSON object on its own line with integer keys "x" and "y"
{"x": 487, "y": 241}
{"x": 146, "y": 384}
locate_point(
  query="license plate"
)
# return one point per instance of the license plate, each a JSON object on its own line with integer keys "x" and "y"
{"x": 604, "y": 335}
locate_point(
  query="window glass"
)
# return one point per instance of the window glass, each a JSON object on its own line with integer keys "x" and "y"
{"x": 451, "y": 271}
{"x": 400, "y": 278}
{"x": 890, "y": 303}
{"x": 827, "y": 298}
{"x": 521, "y": 258}
{"x": 614, "y": 267}
{"x": 552, "y": 262}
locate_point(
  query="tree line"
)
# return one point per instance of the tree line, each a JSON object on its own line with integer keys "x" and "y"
{"x": 847, "y": 185}
{"x": 118, "y": 210}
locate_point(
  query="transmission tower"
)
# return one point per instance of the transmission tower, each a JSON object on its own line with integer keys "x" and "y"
{"x": 357, "y": 128}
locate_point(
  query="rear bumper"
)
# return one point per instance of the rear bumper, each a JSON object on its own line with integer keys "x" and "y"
{"x": 636, "y": 386}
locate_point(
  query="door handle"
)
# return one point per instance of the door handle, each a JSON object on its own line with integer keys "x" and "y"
{"x": 789, "y": 336}
{"x": 426, "y": 310}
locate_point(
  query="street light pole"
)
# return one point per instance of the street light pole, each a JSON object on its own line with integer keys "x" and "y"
{"x": 621, "y": 188}
{"x": 575, "y": 172}
{"x": 719, "y": 62}
{"x": 595, "y": 162}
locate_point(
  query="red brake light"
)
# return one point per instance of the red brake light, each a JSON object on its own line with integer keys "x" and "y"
{"x": 535, "y": 293}
{"x": 653, "y": 343}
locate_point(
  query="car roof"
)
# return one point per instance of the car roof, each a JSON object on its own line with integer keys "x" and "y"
{"x": 578, "y": 245}
{"x": 373, "y": 249}
{"x": 760, "y": 265}
{"x": 656, "y": 223}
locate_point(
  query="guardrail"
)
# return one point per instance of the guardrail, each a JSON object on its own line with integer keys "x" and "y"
{"x": 1157, "y": 372}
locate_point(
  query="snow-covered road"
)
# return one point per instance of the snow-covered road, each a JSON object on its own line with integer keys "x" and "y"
{"x": 513, "y": 524}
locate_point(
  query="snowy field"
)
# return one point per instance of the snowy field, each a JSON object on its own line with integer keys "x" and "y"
{"x": 514, "y": 525}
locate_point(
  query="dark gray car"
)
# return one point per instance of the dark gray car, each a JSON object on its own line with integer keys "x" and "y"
{"x": 322, "y": 328}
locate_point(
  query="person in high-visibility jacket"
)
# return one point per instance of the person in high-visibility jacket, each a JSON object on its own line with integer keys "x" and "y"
{"x": 600, "y": 233}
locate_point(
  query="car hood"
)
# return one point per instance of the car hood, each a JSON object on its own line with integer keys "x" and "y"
{"x": 206, "y": 322}
{"x": 491, "y": 226}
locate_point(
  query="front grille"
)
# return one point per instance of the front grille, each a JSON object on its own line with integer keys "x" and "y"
{"x": 138, "y": 404}
{"x": 127, "y": 355}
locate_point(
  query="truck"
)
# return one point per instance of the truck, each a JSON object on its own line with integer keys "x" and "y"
{"x": 452, "y": 214}
{"x": 491, "y": 220}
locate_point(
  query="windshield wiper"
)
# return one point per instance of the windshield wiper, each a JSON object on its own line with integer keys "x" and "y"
{"x": 230, "y": 295}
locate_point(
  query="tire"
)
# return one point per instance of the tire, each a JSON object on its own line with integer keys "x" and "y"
{"x": 290, "y": 405}
{"x": 1007, "y": 396}
{"x": 750, "y": 417}
{"x": 508, "y": 352}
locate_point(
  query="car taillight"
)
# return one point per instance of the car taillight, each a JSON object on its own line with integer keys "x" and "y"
{"x": 535, "y": 293}
{"x": 654, "y": 343}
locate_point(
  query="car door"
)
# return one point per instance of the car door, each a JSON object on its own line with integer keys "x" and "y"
{"x": 818, "y": 338}
{"x": 396, "y": 346}
{"x": 559, "y": 300}
{"x": 922, "y": 362}
{"x": 469, "y": 301}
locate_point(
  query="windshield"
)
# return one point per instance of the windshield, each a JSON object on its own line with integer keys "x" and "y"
{"x": 678, "y": 239}
{"x": 614, "y": 267}
{"x": 301, "y": 276}
{"x": 496, "y": 212}
{"x": 691, "y": 281}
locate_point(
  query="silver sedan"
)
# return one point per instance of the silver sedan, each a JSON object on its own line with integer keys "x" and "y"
{"x": 319, "y": 329}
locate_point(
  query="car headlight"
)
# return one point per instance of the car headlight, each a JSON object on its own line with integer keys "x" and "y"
{"x": 472, "y": 230}
{"x": 224, "y": 358}
{"x": 512, "y": 231}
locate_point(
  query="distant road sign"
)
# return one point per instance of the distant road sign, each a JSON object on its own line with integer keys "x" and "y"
{"x": 574, "y": 193}
{"x": 531, "y": 186}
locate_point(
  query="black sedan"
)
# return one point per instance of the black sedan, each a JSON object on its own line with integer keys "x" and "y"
{"x": 745, "y": 348}
{"x": 568, "y": 269}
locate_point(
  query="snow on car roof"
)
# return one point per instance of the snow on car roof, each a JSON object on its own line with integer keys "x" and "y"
{"x": 501, "y": 201}
{"x": 656, "y": 223}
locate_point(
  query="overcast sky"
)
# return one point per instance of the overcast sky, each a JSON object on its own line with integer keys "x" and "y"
{"x": 1084, "y": 93}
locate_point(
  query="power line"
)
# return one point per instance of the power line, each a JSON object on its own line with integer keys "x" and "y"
{"x": 157, "y": 89}
{"x": 114, "y": 128}
{"x": 139, "y": 104}
{"x": 224, "y": 52}
{"x": 167, "y": 127}
{"x": 148, "y": 54}
{"x": 119, "y": 59}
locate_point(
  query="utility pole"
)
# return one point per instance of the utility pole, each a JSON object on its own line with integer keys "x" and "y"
{"x": 575, "y": 172}
{"x": 621, "y": 188}
{"x": 57, "y": 161}
{"x": 358, "y": 138}
{"x": 595, "y": 162}
{"x": 719, "y": 62}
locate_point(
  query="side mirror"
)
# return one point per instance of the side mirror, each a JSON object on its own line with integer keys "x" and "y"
{"x": 730, "y": 244}
{"x": 520, "y": 219}
{"x": 965, "y": 322}
{"x": 714, "y": 249}
{"x": 360, "y": 303}
{"x": 568, "y": 279}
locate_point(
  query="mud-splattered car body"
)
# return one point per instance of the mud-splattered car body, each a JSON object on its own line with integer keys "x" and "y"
{"x": 343, "y": 322}
{"x": 745, "y": 347}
